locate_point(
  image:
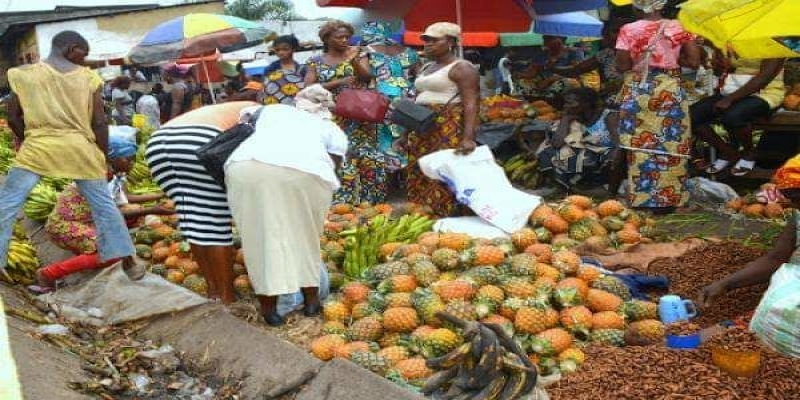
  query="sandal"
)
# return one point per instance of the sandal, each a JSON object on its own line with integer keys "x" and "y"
{"x": 743, "y": 167}
{"x": 718, "y": 166}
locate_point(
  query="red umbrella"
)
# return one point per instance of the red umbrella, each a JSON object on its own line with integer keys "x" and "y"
{"x": 480, "y": 20}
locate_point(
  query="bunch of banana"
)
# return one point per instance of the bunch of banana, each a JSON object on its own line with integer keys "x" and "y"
{"x": 22, "y": 261}
{"x": 488, "y": 366}
{"x": 362, "y": 244}
{"x": 139, "y": 172}
{"x": 56, "y": 183}
{"x": 147, "y": 186}
{"x": 523, "y": 170}
{"x": 41, "y": 202}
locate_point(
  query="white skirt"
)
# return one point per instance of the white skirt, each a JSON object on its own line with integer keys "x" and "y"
{"x": 280, "y": 214}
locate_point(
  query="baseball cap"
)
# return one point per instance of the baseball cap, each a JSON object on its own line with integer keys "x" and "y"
{"x": 439, "y": 30}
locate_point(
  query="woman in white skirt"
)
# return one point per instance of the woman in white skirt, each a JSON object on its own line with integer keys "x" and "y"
{"x": 280, "y": 184}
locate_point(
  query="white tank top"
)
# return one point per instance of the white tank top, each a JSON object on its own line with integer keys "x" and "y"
{"x": 437, "y": 87}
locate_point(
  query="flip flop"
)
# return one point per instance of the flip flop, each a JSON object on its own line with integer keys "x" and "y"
{"x": 718, "y": 166}
{"x": 743, "y": 167}
{"x": 36, "y": 289}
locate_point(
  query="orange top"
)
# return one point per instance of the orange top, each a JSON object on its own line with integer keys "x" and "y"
{"x": 222, "y": 116}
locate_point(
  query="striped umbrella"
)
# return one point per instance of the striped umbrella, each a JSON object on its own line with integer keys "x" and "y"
{"x": 196, "y": 35}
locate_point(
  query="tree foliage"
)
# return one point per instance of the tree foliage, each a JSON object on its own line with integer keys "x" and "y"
{"x": 256, "y": 10}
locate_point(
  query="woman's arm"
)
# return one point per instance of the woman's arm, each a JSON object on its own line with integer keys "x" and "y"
{"x": 757, "y": 271}
{"x": 624, "y": 61}
{"x": 769, "y": 70}
{"x": 588, "y": 65}
{"x": 157, "y": 210}
{"x": 143, "y": 198}
{"x": 466, "y": 78}
{"x": 361, "y": 66}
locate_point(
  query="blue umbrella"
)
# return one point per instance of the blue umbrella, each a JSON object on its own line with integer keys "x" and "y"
{"x": 578, "y": 24}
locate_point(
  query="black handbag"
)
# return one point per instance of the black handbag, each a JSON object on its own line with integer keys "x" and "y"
{"x": 214, "y": 154}
{"x": 415, "y": 117}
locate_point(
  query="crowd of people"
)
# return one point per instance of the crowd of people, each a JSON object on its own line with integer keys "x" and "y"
{"x": 631, "y": 130}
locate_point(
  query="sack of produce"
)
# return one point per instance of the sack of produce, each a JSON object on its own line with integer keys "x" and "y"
{"x": 777, "y": 319}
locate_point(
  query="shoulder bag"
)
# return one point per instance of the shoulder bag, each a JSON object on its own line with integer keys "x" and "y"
{"x": 415, "y": 117}
{"x": 214, "y": 154}
{"x": 361, "y": 105}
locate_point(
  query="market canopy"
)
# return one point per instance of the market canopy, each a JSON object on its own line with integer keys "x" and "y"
{"x": 565, "y": 6}
{"x": 750, "y": 28}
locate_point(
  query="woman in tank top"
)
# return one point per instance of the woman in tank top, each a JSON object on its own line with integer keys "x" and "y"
{"x": 450, "y": 86}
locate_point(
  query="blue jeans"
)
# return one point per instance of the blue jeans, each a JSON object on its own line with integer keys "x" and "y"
{"x": 113, "y": 240}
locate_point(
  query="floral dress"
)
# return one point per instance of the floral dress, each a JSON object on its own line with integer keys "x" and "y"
{"x": 364, "y": 174}
{"x": 281, "y": 85}
{"x": 392, "y": 76}
{"x": 70, "y": 225}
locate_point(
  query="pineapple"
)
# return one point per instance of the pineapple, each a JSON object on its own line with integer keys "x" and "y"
{"x": 523, "y": 238}
{"x": 609, "y": 337}
{"x": 413, "y": 369}
{"x": 613, "y": 223}
{"x": 600, "y": 300}
{"x": 519, "y": 287}
{"x": 333, "y": 327}
{"x": 362, "y": 310}
{"x": 567, "y": 262}
{"x": 323, "y": 347}
{"x": 370, "y": 361}
{"x": 457, "y": 289}
{"x": 629, "y": 236}
{"x": 440, "y": 342}
{"x": 427, "y": 305}
{"x": 609, "y": 208}
{"x": 461, "y": 309}
{"x": 386, "y": 270}
{"x": 608, "y": 320}
{"x": 355, "y": 292}
{"x": 425, "y": 272}
{"x": 555, "y": 224}
{"x": 394, "y": 354}
{"x": 571, "y": 292}
{"x": 347, "y": 349}
{"x": 510, "y": 306}
{"x": 429, "y": 240}
{"x": 543, "y": 235}
{"x": 551, "y": 342}
{"x": 580, "y": 230}
{"x": 402, "y": 299}
{"x": 387, "y": 250}
{"x": 482, "y": 275}
{"x": 548, "y": 271}
{"x": 492, "y": 293}
{"x": 196, "y": 283}
{"x": 504, "y": 244}
{"x": 523, "y": 264}
{"x": 646, "y": 331}
{"x": 367, "y": 329}
{"x": 392, "y": 339}
{"x": 398, "y": 284}
{"x": 637, "y": 310}
{"x": 335, "y": 310}
{"x": 400, "y": 319}
{"x": 582, "y": 202}
{"x": 570, "y": 360}
{"x": 484, "y": 307}
{"x": 454, "y": 241}
{"x": 502, "y": 321}
{"x": 532, "y": 320}
{"x": 588, "y": 273}
{"x": 445, "y": 259}
{"x": 612, "y": 285}
{"x": 576, "y": 319}
{"x": 571, "y": 213}
{"x": 540, "y": 214}
{"x": 483, "y": 255}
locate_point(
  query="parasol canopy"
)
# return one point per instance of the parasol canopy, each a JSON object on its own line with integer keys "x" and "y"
{"x": 195, "y": 35}
{"x": 577, "y": 24}
{"x": 750, "y": 28}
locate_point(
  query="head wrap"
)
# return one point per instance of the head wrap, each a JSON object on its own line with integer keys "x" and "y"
{"x": 377, "y": 32}
{"x": 788, "y": 176}
{"x": 316, "y": 100}
{"x": 120, "y": 147}
{"x": 649, "y": 6}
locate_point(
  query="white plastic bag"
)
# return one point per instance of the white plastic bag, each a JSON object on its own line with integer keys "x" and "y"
{"x": 705, "y": 191}
{"x": 777, "y": 318}
{"x": 479, "y": 183}
{"x": 473, "y": 226}
{"x": 124, "y": 131}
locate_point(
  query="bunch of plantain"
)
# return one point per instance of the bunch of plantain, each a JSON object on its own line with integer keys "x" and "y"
{"x": 41, "y": 202}
{"x": 6, "y": 158}
{"x": 362, "y": 244}
{"x": 490, "y": 365}
{"x": 22, "y": 261}
{"x": 139, "y": 172}
{"x": 523, "y": 170}
{"x": 56, "y": 183}
{"x": 147, "y": 186}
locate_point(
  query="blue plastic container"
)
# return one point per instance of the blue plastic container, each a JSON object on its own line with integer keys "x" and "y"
{"x": 683, "y": 342}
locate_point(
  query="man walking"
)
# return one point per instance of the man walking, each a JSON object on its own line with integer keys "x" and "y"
{"x": 56, "y": 113}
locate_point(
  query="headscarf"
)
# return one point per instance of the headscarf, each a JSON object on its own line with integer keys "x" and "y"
{"x": 378, "y": 33}
{"x": 120, "y": 147}
{"x": 788, "y": 176}
{"x": 316, "y": 100}
{"x": 649, "y": 6}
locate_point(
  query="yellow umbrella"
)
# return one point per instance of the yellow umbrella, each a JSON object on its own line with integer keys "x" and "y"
{"x": 750, "y": 28}
{"x": 621, "y": 2}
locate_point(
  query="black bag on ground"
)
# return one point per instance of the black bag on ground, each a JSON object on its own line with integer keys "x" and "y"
{"x": 216, "y": 152}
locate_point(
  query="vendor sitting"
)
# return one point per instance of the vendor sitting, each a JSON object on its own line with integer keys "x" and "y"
{"x": 70, "y": 225}
{"x": 784, "y": 333}
{"x": 584, "y": 146}
{"x": 539, "y": 81}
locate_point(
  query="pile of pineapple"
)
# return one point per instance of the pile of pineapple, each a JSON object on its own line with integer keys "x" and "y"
{"x": 750, "y": 206}
{"x": 542, "y": 294}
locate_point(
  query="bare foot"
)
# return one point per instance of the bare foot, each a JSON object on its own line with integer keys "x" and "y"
{"x": 44, "y": 282}
{"x": 133, "y": 268}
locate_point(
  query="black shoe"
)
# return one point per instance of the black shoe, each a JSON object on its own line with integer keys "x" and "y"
{"x": 273, "y": 319}
{"x": 312, "y": 310}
